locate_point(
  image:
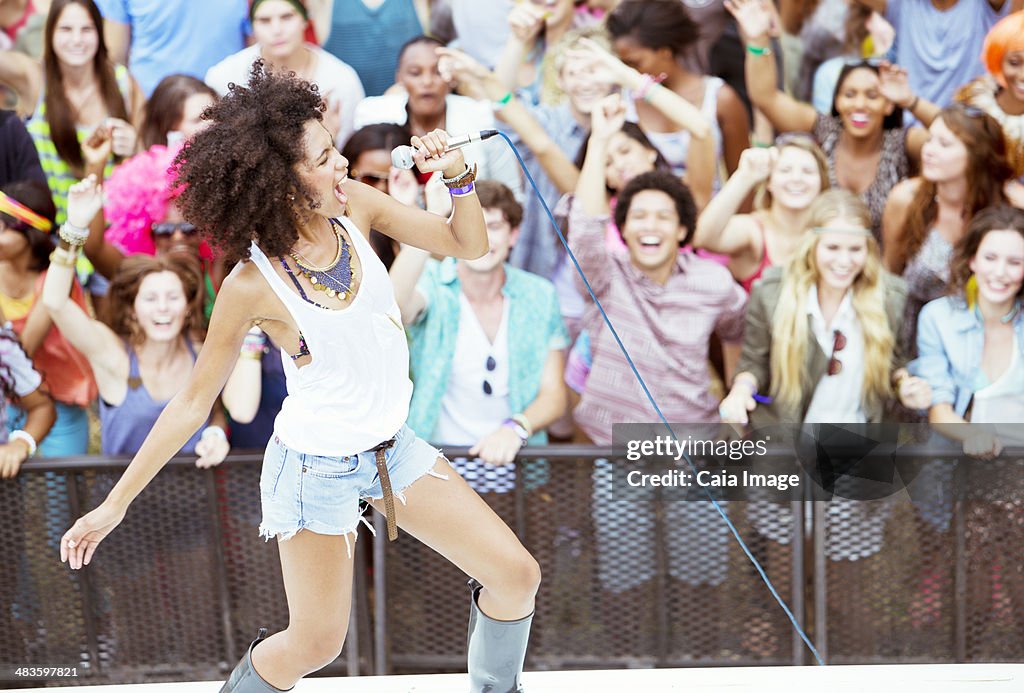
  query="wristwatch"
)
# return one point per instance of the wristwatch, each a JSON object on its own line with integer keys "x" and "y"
{"x": 518, "y": 428}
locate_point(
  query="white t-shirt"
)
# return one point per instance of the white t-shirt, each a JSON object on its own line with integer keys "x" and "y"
{"x": 467, "y": 412}
{"x": 837, "y": 398}
{"x": 338, "y": 82}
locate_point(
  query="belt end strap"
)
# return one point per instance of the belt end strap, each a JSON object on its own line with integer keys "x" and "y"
{"x": 385, "y": 486}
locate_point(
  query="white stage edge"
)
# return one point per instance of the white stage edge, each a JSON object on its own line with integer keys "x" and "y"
{"x": 896, "y": 678}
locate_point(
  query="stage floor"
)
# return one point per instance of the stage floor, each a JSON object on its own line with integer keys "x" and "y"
{"x": 902, "y": 678}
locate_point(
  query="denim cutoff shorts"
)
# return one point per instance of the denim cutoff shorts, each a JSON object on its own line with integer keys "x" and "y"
{"x": 322, "y": 494}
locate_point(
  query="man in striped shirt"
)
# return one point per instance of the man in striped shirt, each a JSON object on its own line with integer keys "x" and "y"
{"x": 664, "y": 304}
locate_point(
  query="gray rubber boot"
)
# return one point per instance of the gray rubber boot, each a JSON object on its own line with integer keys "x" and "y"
{"x": 497, "y": 649}
{"x": 244, "y": 678}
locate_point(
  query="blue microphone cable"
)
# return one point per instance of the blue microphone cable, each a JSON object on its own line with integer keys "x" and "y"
{"x": 650, "y": 398}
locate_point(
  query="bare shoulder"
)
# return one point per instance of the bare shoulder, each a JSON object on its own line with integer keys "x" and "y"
{"x": 245, "y": 293}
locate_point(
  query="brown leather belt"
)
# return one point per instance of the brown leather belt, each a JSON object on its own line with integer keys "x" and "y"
{"x": 385, "y": 486}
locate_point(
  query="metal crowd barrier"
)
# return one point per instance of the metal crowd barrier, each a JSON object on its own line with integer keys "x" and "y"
{"x": 180, "y": 588}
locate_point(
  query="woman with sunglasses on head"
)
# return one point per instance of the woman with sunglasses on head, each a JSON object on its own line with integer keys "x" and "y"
{"x": 76, "y": 97}
{"x": 787, "y": 179}
{"x": 963, "y": 170}
{"x": 26, "y": 222}
{"x": 267, "y": 180}
{"x": 867, "y": 148}
{"x": 821, "y": 332}
{"x": 971, "y": 342}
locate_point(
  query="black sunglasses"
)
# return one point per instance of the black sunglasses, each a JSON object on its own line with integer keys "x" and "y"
{"x": 168, "y": 228}
{"x": 491, "y": 365}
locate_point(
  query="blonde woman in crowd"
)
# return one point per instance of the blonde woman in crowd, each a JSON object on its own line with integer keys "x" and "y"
{"x": 820, "y": 339}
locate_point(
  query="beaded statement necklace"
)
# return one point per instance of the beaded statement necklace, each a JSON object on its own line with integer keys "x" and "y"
{"x": 334, "y": 279}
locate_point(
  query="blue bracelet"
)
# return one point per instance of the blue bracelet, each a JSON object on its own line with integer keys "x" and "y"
{"x": 460, "y": 192}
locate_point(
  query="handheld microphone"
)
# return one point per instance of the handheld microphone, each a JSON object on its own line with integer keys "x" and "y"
{"x": 401, "y": 156}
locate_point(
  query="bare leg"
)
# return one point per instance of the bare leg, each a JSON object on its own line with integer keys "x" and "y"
{"x": 317, "y": 572}
{"x": 449, "y": 517}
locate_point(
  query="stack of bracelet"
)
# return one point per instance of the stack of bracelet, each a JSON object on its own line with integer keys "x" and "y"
{"x": 253, "y": 345}
{"x": 74, "y": 237}
{"x": 462, "y": 184}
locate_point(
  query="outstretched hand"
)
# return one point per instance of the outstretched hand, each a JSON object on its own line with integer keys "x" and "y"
{"x": 85, "y": 198}
{"x": 894, "y": 84}
{"x": 756, "y": 19}
{"x": 79, "y": 543}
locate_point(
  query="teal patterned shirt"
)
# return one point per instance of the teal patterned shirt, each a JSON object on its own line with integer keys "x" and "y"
{"x": 535, "y": 328}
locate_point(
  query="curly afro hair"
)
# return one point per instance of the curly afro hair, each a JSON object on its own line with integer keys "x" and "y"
{"x": 238, "y": 175}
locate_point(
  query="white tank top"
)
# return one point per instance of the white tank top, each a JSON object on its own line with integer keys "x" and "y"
{"x": 355, "y": 391}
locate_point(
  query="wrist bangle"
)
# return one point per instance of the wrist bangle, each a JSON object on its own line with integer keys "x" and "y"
{"x": 647, "y": 83}
{"x": 518, "y": 429}
{"x": 503, "y": 101}
{"x": 524, "y": 422}
{"x": 913, "y": 104}
{"x": 73, "y": 235}
{"x": 759, "y": 50}
{"x": 26, "y": 438}
{"x": 215, "y": 431}
{"x": 461, "y": 180}
{"x": 64, "y": 258}
{"x": 461, "y": 192}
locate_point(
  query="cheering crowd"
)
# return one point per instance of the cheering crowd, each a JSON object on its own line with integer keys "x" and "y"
{"x": 790, "y": 212}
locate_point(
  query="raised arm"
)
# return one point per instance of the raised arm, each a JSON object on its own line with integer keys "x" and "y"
{"x": 559, "y": 168}
{"x": 525, "y": 23}
{"x": 755, "y": 20}
{"x": 896, "y": 87}
{"x": 673, "y": 106}
{"x": 97, "y": 342}
{"x": 463, "y": 235}
{"x": 606, "y": 119}
{"x": 720, "y": 228}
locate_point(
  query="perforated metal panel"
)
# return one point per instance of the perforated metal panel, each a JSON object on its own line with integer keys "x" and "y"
{"x": 175, "y": 593}
{"x": 626, "y": 581}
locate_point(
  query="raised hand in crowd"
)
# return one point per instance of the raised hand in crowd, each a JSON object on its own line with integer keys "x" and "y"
{"x": 96, "y": 150}
{"x": 758, "y": 21}
{"x": 895, "y": 86}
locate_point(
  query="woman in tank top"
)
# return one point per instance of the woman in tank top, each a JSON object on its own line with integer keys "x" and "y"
{"x": 787, "y": 178}
{"x": 266, "y": 182}
{"x": 144, "y": 353}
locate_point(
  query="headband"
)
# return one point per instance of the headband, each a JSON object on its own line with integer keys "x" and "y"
{"x": 855, "y": 230}
{"x": 13, "y": 208}
{"x": 297, "y": 4}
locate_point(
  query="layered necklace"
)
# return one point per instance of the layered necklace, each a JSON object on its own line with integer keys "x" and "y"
{"x": 334, "y": 279}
